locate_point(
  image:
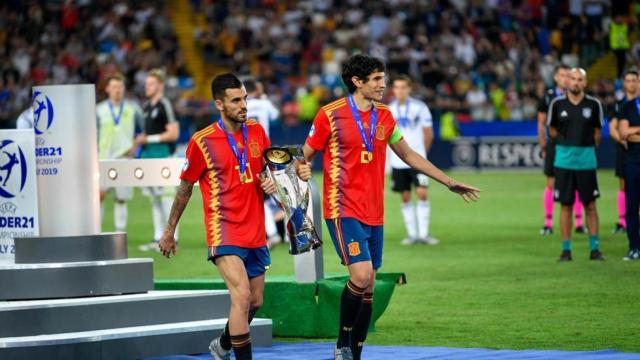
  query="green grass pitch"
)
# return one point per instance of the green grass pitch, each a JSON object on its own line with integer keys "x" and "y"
{"x": 492, "y": 282}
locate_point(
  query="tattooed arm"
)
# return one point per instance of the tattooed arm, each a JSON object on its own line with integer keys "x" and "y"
{"x": 168, "y": 241}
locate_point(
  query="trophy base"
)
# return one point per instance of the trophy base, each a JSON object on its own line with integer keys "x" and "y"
{"x": 303, "y": 242}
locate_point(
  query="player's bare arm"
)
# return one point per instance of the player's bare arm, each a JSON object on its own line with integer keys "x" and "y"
{"x": 553, "y": 132}
{"x": 597, "y": 136}
{"x": 428, "y": 138}
{"x": 613, "y": 130}
{"x": 416, "y": 161}
{"x": 167, "y": 241}
{"x": 542, "y": 140}
{"x": 629, "y": 133}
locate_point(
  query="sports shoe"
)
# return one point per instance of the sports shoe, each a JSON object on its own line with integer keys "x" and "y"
{"x": 565, "y": 256}
{"x": 632, "y": 255}
{"x": 546, "y": 231}
{"x": 409, "y": 241}
{"x": 596, "y": 255}
{"x": 343, "y": 353}
{"x": 581, "y": 230}
{"x": 429, "y": 240}
{"x": 152, "y": 246}
{"x": 217, "y": 351}
{"x": 619, "y": 229}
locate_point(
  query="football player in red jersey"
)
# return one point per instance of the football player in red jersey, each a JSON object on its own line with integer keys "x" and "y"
{"x": 353, "y": 132}
{"x": 226, "y": 159}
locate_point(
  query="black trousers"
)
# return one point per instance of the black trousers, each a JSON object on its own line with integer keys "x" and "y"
{"x": 632, "y": 195}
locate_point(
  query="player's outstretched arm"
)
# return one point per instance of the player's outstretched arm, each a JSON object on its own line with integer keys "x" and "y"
{"x": 167, "y": 240}
{"x": 419, "y": 163}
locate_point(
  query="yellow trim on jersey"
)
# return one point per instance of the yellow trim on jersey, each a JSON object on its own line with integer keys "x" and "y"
{"x": 198, "y": 138}
{"x": 213, "y": 227}
{"x": 380, "y": 105}
{"x": 334, "y": 163}
{"x": 214, "y": 222}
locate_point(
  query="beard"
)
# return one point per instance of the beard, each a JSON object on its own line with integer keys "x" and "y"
{"x": 239, "y": 117}
{"x": 575, "y": 91}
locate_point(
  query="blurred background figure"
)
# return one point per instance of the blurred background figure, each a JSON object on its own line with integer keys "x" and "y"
{"x": 117, "y": 118}
{"x": 414, "y": 121}
{"x": 159, "y": 132}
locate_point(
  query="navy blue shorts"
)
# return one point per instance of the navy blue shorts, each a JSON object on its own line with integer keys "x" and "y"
{"x": 355, "y": 241}
{"x": 256, "y": 261}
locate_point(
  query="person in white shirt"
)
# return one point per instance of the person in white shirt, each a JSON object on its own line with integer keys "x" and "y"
{"x": 261, "y": 109}
{"x": 117, "y": 118}
{"x": 25, "y": 119}
{"x": 413, "y": 118}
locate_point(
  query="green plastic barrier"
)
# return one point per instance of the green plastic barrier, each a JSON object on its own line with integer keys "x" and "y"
{"x": 302, "y": 310}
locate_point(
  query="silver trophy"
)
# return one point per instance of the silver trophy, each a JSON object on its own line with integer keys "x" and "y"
{"x": 293, "y": 197}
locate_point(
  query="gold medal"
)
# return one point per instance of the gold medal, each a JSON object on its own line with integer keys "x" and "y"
{"x": 366, "y": 157}
{"x": 243, "y": 178}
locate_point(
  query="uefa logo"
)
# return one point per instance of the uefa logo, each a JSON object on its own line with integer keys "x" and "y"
{"x": 13, "y": 169}
{"x": 42, "y": 112}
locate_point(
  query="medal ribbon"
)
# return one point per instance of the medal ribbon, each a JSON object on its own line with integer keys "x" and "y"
{"x": 241, "y": 157}
{"x": 403, "y": 120}
{"x": 367, "y": 140}
{"x": 116, "y": 119}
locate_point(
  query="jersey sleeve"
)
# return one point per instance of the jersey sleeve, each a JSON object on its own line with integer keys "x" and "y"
{"x": 542, "y": 104}
{"x": 552, "y": 120}
{"x": 319, "y": 132}
{"x": 425, "y": 116}
{"x": 194, "y": 163}
{"x": 599, "y": 120}
{"x": 625, "y": 111}
{"x": 273, "y": 112}
{"x": 168, "y": 109}
{"x": 396, "y": 136}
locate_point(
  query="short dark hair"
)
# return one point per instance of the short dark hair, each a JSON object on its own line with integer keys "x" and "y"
{"x": 360, "y": 66}
{"x": 223, "y": 82}
{"x": 403, "y": 77}
{"x": 633, "y": 72}
{"x": 561, "y": 67}
{"x": 250, "y": 84}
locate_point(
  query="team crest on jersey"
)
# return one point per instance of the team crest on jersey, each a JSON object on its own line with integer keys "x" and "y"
{"x": 185, "y": 166}
{"x": 380, "y": 132}
{"x": 312, "y": 131}
{"x": 254, "y": 149}
{"x": 154, "y": 113}
{"x": 564, "y": 114}
{"x": 586, "y": 112}
{"x": 354, "y": 248}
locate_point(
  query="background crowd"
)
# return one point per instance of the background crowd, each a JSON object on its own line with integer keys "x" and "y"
{"x": 480, "y": 60}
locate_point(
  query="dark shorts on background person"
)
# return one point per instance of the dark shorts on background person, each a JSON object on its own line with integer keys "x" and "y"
{"x": 256, "y": 261}
{"x": 567, "y": 182}
{"x": 550, "y": 157}
{"x": 355, "y": 241}
{"x": 401, "y": 179}
{"x": 620, "y": 154}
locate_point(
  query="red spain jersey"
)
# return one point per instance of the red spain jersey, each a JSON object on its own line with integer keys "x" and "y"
{"x": 353, "y": 186}
{"x": 233, "y": 211}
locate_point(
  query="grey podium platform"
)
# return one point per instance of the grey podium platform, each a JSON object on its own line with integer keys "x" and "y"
{"x": 118, "y": 327}
{"x": 48, "y": 249}
{"x": 74, "y": 279}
